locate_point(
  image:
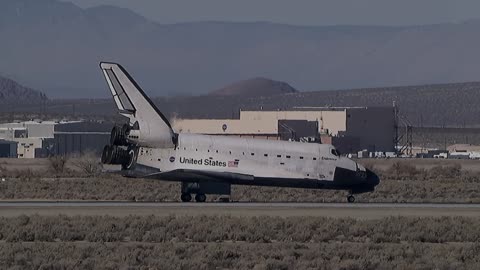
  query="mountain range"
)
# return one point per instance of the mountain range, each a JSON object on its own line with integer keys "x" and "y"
{"x": 56, "y": 46}
{"x": 256, "y": 87}
{"x": 12, "y": 93}
{"x": 440, "y": 105}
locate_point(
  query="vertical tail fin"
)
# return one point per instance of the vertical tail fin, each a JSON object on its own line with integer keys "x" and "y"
{"x": 149, "y": 126}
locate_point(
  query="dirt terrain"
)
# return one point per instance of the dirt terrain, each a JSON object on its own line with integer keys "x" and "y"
{"x": 225, "y": 242}
{"x": 124, "y": 209}
{"x": 402, "y": 181}
{"x": 469, "y": 165}
{"x": 239, "y": 235}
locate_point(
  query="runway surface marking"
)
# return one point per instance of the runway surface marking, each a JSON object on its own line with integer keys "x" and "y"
{"x": 356, "y": 210}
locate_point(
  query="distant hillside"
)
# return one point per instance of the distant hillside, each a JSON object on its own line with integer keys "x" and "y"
{"x": 13, "y": 93}
{"x": 256, "y": 87}
{"x": 450, "y": 105}
{"x": 454, "y": 105}
{"x": 67, "y": 43}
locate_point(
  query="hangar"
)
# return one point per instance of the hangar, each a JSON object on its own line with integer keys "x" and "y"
{"x": 349, "y": 129}
{"x": 35, "y": 139}
{"x": 29, "y": 136}
{"x": 8, "y": 149}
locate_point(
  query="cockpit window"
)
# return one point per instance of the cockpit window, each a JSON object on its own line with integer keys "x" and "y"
{"x": 335, "y": 152}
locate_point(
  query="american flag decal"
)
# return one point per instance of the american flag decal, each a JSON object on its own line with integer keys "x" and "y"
{"x": 234, "y": 163}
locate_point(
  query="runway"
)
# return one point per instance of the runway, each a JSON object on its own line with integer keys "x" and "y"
{"x": 118, "y": 208}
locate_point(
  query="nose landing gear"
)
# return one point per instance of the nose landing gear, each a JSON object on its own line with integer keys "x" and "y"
{"x": 351, "y": 198}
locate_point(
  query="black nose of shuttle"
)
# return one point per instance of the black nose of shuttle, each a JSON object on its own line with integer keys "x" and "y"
{"x": 372, "y": 178}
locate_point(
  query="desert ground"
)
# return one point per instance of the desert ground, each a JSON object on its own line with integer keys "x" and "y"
{"x": 423, "y": 215}
{"x": 402, "y": 181}
{"x": 361, "y": 211}
{"x": 227, "y": 242}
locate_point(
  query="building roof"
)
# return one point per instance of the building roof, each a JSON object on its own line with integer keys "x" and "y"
{"x": 2, "y": 141}
{"x": 463, "y": 148}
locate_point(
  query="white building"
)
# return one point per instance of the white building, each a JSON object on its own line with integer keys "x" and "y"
{"x": 29, "y": 135}
{"x": 56, "y": 138}
{"x": 350, "y": 129}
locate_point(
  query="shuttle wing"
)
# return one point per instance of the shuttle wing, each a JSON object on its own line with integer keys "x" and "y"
{"x": 198, "y": 175}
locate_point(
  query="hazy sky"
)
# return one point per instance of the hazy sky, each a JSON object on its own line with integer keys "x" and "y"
{"x": 302, "y": 12}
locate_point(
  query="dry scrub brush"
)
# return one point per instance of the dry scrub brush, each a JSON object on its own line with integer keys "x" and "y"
{"x": 88, "y": 163}
{"x": 224, "y": 242}
{"x": 420, "y": 188}
{"x": 101, "y": 188}
{"x": 24, "y": 174}
{"x": 81, "y": 165}
{"x": 401, "y": 182}
{"x": 239, "y": 255}
{"x": 57, "y": 164}
{"x": 245, "y": 229}
{"x": 408, "y": 171}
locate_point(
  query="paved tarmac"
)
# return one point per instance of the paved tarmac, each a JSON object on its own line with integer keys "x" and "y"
{"x": 355, "y": 210}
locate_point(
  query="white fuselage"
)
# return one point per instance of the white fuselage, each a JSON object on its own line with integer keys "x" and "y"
{"x": 148, "y": 147}
{"x": 260, "y": 158}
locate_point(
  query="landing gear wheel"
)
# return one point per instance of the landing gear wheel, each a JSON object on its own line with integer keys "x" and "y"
{"x": 200, "y": 198}
{"x": 186, "y": 197}
{"x": 351, "y": 199}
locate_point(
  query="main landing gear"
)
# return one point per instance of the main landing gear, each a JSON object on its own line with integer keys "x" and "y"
{"x": 200, "y": 198}
{"x": 186, "y": 197}
{"x": 202, "y": 188}
{"x": 351, "y": 198}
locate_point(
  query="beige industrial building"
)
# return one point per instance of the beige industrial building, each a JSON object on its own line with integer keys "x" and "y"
{"x": 44, "y": 138}
{"x": 350, "y": 129}
{"x": 29, "y": 136}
